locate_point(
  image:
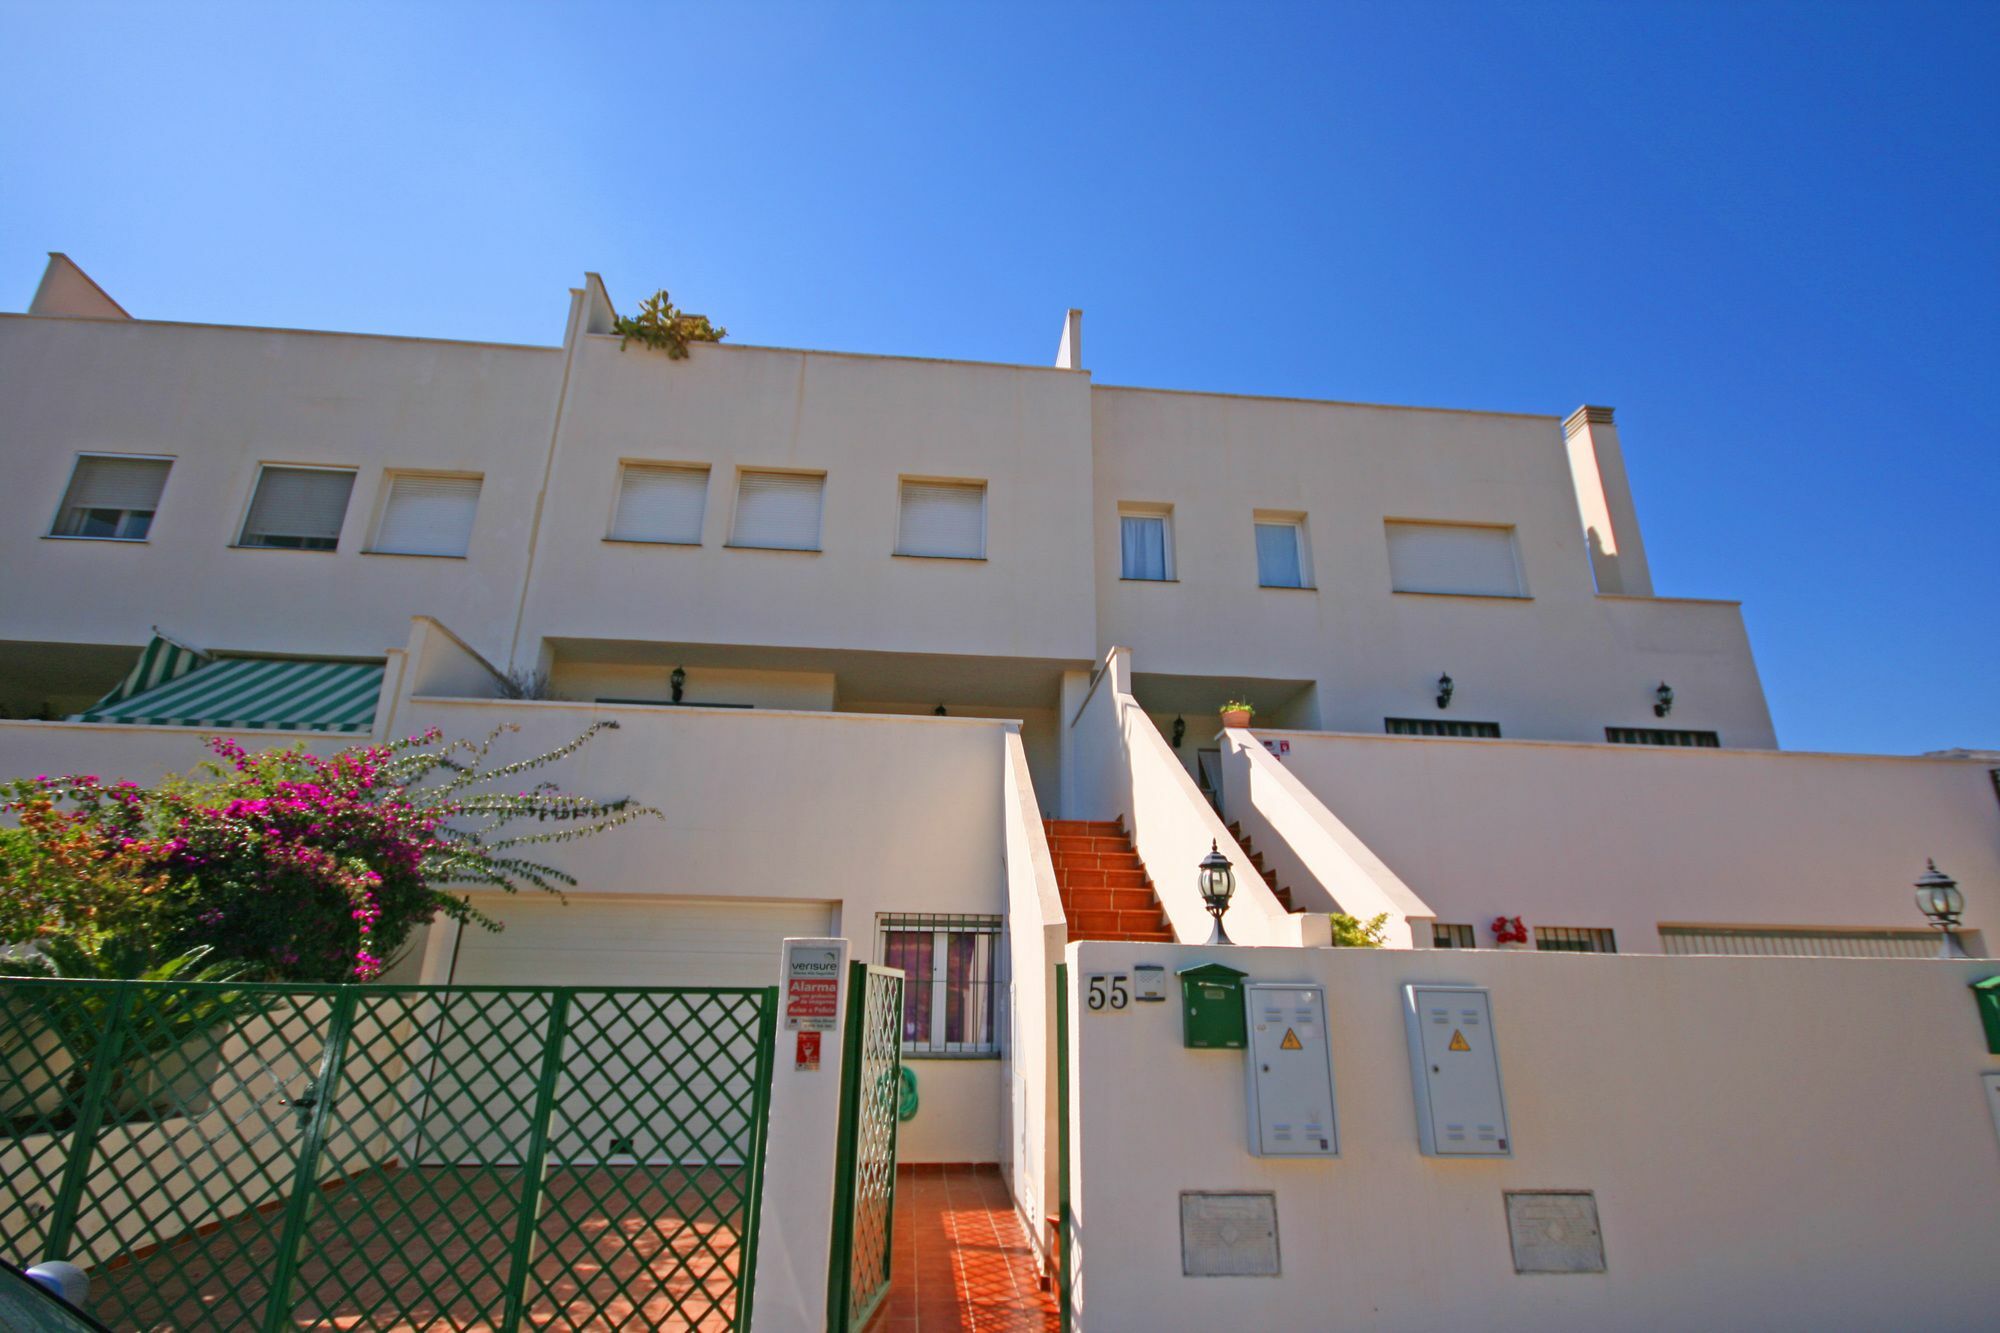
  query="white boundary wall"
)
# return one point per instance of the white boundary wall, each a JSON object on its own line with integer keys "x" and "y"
{"x": 1773, "y": 1143}
{"x": 1633, "y": 836}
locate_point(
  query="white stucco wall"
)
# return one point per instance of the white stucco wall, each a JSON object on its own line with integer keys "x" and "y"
{"x": 1562, "y": 663}
{"x": 1773, "y": 1144}
{"x": 1633, "y": 836}
{"x": 222, "y": 401}
{"x": 874, "y": 814}
{"x": 865, "y": 422}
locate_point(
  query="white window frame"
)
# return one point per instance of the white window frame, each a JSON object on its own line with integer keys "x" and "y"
{"x": 1163, "y": 512}
{"x": 956, "y": 483}
{"x": 257, "y": 484}
{"x": 626, "y": 465}
{"x": 736, "y": 510}
{"x": 63, "y": 505}
{"x": 387, "y": 490}
{"x": 1296, "y": 521}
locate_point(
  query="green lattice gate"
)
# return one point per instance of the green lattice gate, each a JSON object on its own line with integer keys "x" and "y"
{"x": 871, "y": 1070}
{"x": 277, "y": 1157}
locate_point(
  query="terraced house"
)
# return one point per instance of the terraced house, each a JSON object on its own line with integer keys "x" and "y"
{"x": 929, "y": 656}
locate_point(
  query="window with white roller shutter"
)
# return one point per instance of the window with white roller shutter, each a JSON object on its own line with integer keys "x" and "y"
{"x": 660, "y": 503}
{"x": 778, "y": 510}
{"x": 112, "y": 497}
{"x": 946, "y": 519}
{"x": 1467, "y": 559}
{"x": 427, "y": 515}
{"x": 298, "y": 508}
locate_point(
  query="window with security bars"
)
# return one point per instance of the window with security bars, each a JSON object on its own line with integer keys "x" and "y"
{"x": 952, "y": 972}
{"x": 1702, "y": 740}
{"x": 1450, "y": 936}
{"x": 298, "y": 508}
{"x": 943, "y": 519}
{"x": 112, "y": 497}
{"x": 1437, "y": 726}
{"x": 658, "y": 503}
{"x": 1575, "y": 939}
{"x": 778, "y": 511}
{"x": 427, "y": 515}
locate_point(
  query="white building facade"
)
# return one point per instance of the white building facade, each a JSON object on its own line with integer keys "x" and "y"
{"x": 868, "y": 622}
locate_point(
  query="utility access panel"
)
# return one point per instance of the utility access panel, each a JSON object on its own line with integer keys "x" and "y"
{"x": 1291, "y": 1071}
{"x": 1455, "y": 1067}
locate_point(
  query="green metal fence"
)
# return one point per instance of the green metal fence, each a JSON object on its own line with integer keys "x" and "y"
{"x": 276, "y": 1157}
{"x": 864, "y": 1204}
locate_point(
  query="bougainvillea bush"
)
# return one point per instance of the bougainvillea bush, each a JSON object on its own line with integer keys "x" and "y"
{"x": 293, "y": 866}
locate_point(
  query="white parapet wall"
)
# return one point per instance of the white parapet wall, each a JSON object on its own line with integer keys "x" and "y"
{"x": 1326, "y": 866}
{"x": 1631, "y": 837}
{"x": 1768, "y": 1143}
{"x": 1037, "y": 932}
{"x": 1125, "y": 771}
{"x": 112, "y": 751}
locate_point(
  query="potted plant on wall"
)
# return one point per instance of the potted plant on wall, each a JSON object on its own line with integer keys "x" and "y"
{"x": 1237, "y": 713}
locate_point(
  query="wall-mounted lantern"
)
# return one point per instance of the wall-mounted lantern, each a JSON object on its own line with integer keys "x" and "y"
{"x": 1218, "y": 886}
{"x": 678, "y": 682}
{"x": 1663, "y": 700}
{"x": 939, "y": 711}
{"x": 1445, "y": 687}
{"x": 1180, "y": 730}
{"x": 1939, "y": 899}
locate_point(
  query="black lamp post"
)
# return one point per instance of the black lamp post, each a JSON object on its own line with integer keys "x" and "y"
{"x": 1940, "y": 900}
{"x": 678, "y": 680}
{"x": 1218, "y": 886}
{"x": 1445, "y": 687}
{"x": 1663, "y": 700}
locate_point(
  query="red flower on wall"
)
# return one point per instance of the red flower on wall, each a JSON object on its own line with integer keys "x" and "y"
{"x": 1509, "y": 930}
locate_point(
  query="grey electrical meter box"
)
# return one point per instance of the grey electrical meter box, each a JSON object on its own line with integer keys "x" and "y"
{"x": 1290, "y": 1071}
{"x": 1455, "y": 1067}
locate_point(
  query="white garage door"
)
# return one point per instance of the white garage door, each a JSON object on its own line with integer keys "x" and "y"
{"x": 632, "y": 942}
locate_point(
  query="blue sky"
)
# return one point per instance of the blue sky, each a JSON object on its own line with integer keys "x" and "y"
{"x": 1768, "y": 235}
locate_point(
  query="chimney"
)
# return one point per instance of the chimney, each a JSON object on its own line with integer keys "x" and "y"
{"x": 67, "y": 292}
{"x": 1069, "y": 356}
{"x": 1604, "y": 497}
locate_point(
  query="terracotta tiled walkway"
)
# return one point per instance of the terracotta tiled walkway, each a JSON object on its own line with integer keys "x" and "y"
{"x": 962, "y": 1261}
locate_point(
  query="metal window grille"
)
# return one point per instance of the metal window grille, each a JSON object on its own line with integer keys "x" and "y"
{"x": 950, "y": 1004}
{"x": 1434, "y": 726}
{"x": 1450, "y": 937}
{"x": 1799, "y": 943}
{"x": 1704, "y": 740}
{"x": 1575, "y": 939}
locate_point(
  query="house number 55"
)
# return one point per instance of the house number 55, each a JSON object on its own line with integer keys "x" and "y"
{"x": 1107, "y": 991}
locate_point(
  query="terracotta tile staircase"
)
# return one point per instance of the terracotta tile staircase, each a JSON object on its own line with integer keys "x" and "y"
{"x": 1105, "y": 892}
{"x": 1284, "y": 895}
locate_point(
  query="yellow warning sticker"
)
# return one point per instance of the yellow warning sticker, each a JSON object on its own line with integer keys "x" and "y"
{"x": 1291, "y": 1042}
{"x": 1458, "y": 1041}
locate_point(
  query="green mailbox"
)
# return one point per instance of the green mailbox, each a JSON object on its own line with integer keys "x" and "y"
{"x": 1212, "y": 1008}
{"x": 1987, "y": 994}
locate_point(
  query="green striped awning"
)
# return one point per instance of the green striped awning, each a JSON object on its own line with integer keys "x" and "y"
{"x": 256, "y": 693}
{"x": 160, "y": 661}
